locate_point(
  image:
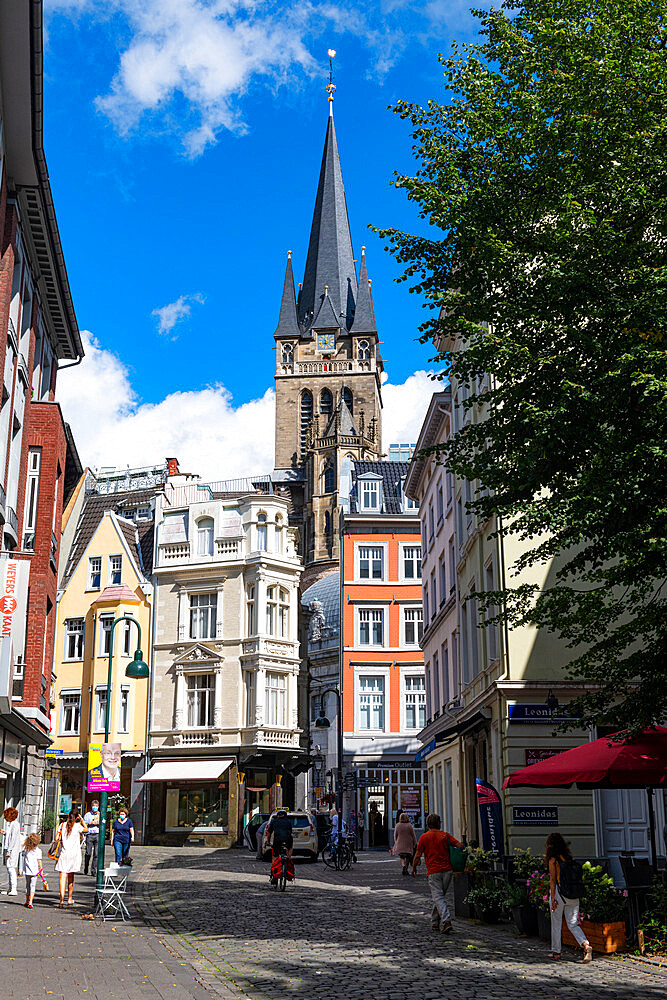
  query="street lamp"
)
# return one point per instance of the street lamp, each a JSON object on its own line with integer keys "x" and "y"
{"x": 138, "y": 669}
{"x": 323, "y": 723}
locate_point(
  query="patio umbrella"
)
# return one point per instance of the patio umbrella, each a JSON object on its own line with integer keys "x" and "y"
{"x": 639, "y": 762}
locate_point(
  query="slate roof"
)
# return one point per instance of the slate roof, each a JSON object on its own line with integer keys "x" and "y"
{"x": 138, "y": 537}
{"x": 347, "y": 425}
{"x": 326, "y": 590}
{"x": 117, "y": 594}
{"x": 330, "y": 259}
{"x": 364, "y": 316}
{"x": 288, "y": 325}
{"x": 391, "y": 473}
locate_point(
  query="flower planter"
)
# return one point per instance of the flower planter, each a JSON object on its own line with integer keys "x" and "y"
{"x": 462, "y": 886}
{"x": 544, "y": 925}
{"x": 605, "y": 938}
{"x": 488, "y": 916}
{"x": 525, "y": 919}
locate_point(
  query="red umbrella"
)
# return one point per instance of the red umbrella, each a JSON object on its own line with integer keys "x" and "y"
{"x": 640, "y": 762}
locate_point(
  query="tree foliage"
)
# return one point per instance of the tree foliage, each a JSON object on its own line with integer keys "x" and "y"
{"x": 545, "y": 176}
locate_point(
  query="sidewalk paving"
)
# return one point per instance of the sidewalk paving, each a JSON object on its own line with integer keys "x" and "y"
{"x": 53, "y": 954}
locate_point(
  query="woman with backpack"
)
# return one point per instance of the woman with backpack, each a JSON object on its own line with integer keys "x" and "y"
{"x": 565, "y": 889}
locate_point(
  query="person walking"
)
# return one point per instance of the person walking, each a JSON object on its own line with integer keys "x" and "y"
{"x": 92, "y": 819}
{"x": 434, "y": 845}
{"x": 69, "y": 862}
{"x": 565, "y": 888}
{"x": 122, "y": 834}
{"x": 32, "y": 867}
{"x": 405, "y": 841}
{"x": 11, "y": 849}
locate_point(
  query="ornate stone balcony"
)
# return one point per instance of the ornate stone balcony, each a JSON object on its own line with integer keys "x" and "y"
{"x": 262, "y": 646}
{"x": 198, "y": 738}
{"x": 270, "y": 736}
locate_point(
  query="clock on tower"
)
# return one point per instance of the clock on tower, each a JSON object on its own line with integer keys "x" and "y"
{"x": 326, "y": 343}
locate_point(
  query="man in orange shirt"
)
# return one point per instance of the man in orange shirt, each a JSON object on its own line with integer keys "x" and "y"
{"x": 434, "y": 845}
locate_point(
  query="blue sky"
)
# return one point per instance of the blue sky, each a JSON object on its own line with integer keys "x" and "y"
{"x": 184, "y": 140}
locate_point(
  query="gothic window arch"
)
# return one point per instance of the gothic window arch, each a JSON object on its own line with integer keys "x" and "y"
{"x": 287, "y": 353}
{"x": 326, "y": 402}
{"x": 363, "y": 350}
{"x": 347, "y": 396}
{"x": 306, "y": 415}
{"x": 329, "y": 476}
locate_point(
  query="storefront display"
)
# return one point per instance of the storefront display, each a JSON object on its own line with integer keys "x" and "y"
{"x": 203, "y": 808}
{"x": 383, "y": 794}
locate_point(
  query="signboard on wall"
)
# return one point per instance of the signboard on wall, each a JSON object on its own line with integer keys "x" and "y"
{"x": 491, "y": 816}
{"x": 529, "y": 714}
{"x": 14, "y": 578}
{"x": 411, "y": 801}
{"x": 535, "y": 815}
{"x": 535, "y": 754}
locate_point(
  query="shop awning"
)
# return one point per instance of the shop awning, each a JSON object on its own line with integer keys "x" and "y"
{"x": 188, "y": 770}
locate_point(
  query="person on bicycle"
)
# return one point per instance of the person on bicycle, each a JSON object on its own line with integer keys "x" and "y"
{"x": 281, "y": 828}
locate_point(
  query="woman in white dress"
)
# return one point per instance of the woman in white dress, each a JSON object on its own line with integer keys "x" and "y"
{"x": 69, "y": 861}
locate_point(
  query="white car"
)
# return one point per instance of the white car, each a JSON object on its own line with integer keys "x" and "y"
{"x": 303, "y": 832}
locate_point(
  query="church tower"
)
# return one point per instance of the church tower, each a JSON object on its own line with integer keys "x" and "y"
{"x": 328, "y": 367}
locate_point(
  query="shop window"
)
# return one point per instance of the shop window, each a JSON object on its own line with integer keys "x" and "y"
{"x": 201, "y": 700}
{"x": 192, "y": 808}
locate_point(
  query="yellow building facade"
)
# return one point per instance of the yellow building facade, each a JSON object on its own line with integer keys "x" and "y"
{"x": 104, "y": 579}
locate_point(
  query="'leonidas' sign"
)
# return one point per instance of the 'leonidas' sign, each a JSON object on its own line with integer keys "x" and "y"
{"x": 14, "y": 576}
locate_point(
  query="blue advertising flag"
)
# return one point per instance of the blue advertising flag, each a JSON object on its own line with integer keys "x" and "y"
{"x": 491, "y": 815}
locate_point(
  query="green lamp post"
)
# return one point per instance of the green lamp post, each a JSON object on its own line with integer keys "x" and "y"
{"x": 138, "y": 669}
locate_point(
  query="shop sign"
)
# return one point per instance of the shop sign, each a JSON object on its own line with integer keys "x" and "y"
{"x": 411, "y": 801}
{"x": 535, "y": 754}
{"x": 528, "y": 714}
{"x": 11, "y": 754}
{"x": 50, "y": 752}
{"x": 425, "y": 751}
{"x": 14, "y": 576}
{"x": 535, "y": 815}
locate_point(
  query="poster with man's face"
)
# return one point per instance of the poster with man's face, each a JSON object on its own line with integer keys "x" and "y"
{"x": 104, "y": 767}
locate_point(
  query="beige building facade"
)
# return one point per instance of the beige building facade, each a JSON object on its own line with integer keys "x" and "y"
{"x": 224, "y": 736}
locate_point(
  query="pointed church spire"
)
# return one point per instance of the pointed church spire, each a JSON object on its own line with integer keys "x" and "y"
{"x": 288, "y": 325}
{"x": 330, "y": 260}
{"x": 364, "y": 316}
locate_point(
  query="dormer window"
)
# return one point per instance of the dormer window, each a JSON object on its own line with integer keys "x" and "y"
{"x": 370, "y": 495}
{"x": 408, "y": 503}
{"x": 287, "y": 353}
{"x": 205, "y": 536}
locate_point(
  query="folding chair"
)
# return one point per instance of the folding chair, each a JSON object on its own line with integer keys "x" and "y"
{"x": 110, "y": 903}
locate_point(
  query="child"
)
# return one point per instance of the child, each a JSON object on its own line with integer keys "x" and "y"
{"x": 32, "y": 867}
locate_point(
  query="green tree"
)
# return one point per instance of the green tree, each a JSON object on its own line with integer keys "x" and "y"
{"x": 544, "y": 174}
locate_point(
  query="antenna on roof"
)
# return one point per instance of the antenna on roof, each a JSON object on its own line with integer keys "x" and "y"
{"x": 331, "y": 87}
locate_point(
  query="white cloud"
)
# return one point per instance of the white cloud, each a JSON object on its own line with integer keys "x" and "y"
{"x": 171, "y": 314}
{"x": 203, "y": 428}
{"x": 405, "y": 407}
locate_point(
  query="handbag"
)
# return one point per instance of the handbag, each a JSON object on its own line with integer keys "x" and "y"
{"x": 55, "y": 849}
{"x": 457, "y": 858}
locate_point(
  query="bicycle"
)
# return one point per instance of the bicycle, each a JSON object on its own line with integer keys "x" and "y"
{"x": 281, "y": 882}
{"x": 338, "y": 857}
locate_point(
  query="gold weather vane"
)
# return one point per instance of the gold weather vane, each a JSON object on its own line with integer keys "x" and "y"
{"x": 331, "y": 87}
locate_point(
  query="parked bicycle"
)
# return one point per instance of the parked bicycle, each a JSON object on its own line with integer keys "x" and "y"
{"x": 338, "y": 856}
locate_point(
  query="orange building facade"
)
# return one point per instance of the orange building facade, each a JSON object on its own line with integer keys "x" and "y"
{"x": 384, "y": 698}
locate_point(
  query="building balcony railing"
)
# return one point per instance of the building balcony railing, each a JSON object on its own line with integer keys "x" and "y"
{"x": 266, "y": 646}
{"x": 198, "y": 737}
{"x": 270, "y": 736}
{"x": 336, "y": 367}
{"x": 228, "y": 548}
{"x": 174, "y": 552}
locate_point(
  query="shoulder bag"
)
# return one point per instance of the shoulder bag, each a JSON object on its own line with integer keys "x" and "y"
{"x": 55, "y": 849}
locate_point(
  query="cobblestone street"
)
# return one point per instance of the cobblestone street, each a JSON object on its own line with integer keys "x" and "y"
{"x": 207, "y": 925}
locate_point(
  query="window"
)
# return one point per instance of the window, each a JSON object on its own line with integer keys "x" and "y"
{"x": 431, "y": 525}
{"x": 412, "y": 562}
{"x": 473, "y": 618}
{"x": 442, "y": 570}
{"x": 363, "y": 350}
{"x": 414, "y": 626}
{"x": 408, "y": 502}
{"x": 201, "y": 700}
{"x": 287, "y": 353}
{"x": 450, "y": 489}
{"x": 441, "y": 504}
{"x": 70, "y": 713}
{"x": 106, "y": 621}
{"x": 459, "y": 521}
{"x": 306, "y": 416}
{"x": 205, "y": 536}
{"x": 329, "y": 476}
{"x": 371, "y": 702}
{"x": 371, "y": 562}
{"x": 426, "y": 606}
{"x": 203, "y": 615}
{"x": 449, "y": 799}
{"x": 94, "y": 572}
{"x": 261, "y": 532}
{"x": 250, "y": 605}
{"x": 271, "y": 609}
{"x": 142, "y": 514}
{"x": 452, "y": 566}
{"x": 31, "y": 498}
{"x": 370, "y": 494}
{"x": 276, "y": 699}
{"x": 415, "y": 702}
{"x": 326, "y": 402}
{"x": 250, "y": 701}
{"x": 127, "y": 639}
{"x": 347, "y": 399}
{"x": 74, "y": 628}
{"x": 371, "y": 627}
{"x": 279, "y": 531}
{"x": 434, "y": 596}
{"x": 491, "y": 612}
{"x": 124, "y": 711}
{"x": 283, "y": 614}
{"x": 115, "y": 570}
{"x": 436, "y": 683}
{"x": 446, "y": 687}
{"x": 100, "y": 709}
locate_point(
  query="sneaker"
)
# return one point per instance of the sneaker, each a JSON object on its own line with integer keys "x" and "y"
{"x": 446, "y": 927}
{"x": 13, "y": 893}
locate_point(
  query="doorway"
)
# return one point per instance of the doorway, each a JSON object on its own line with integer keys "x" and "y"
{"x": 624, "y": 825}
{"x": 377, "y": 818}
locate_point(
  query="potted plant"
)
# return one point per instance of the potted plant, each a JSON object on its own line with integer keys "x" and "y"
{"x": 478, "y": 862}
{"x": 537, "y": 887}
{"x": 524, "y": 913}
{"x": 49, "y": 820}
{"x": 601, "y": 912}
{"x": 652, "y": 930}
{"x": 489, "y": 901}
